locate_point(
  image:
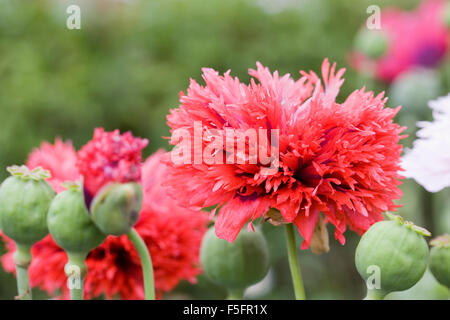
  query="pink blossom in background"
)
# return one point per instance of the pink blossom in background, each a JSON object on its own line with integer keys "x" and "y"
{"x": 59, "y": 158}
{"x": 415, "y": 38}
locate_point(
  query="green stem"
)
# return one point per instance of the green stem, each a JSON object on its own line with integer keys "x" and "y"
{"x": 293, "y": 263}
{"x": 374, "y": 294}
{"x": 76, "y": 271}
{"x": 235, "y": 294}
{"x": 428, "y": 209}
{"x": 146, "y": 262}
{"x": 22, "y": 259}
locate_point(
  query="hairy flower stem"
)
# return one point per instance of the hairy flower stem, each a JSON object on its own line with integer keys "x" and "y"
{"x": 293, "y": 263}
{"x": 76, "y": 271}
{"x": 22, "y": 259}
{"x": 146, "y": 261}
{"x": 235, "y": 294}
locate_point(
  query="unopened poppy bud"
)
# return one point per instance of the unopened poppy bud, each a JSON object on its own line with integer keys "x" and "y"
{"x": 392, "y": 255}
{"x": 69, "y": 222}
{"x": 115, "y": 209}
{"x": 440, "y": 259}
{"x": 25, "y": 198}
{"x": 372, "y": 43}
{"x": 236, "y": 265}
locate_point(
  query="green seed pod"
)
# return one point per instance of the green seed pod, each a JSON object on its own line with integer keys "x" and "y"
{"x": 25, "y": 198}
{"x": 426, "y": 289}
{"x": 414, "y": 89}
{"x": 440, "y": 259}
{"x": 372, "y": 43}
{"x": 236, "y": 265}
{"x": 392, "y": 256}
{"x": 69, "y": 222}
{"x": 115, "y": 209}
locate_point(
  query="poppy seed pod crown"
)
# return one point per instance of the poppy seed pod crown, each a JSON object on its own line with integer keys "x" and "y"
{"x": 25, "y": 198}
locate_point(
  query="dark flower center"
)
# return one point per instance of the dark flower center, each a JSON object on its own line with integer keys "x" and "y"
{"x": 429, "y": 55}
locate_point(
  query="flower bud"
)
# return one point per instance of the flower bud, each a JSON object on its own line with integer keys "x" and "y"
{"x": 25, "y": 198}
{"x": 440, "y": 259}
{"x": 235, "y": 265}
{"x": 372, "y": 43}
{"x": 69, "y": 222}
{"x": 393, "y": 251}
{"x": 115, "y": 209}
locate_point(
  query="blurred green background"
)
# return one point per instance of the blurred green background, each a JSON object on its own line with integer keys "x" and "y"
{"x": 126, "y": 66}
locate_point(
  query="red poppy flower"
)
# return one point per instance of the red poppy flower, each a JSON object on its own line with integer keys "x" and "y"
{"x": 114, "y": 267}
{"x": 340, "y": 159}
{"x": 110, "y": 157}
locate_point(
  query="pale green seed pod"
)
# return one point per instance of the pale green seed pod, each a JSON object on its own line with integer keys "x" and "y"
{"x": 373, "y": 43}
{"x": 115, "y": 209}
{"x": 69, "y": 222}
{"x": 25, "y": 198}
{"x": 396, "y": 252}
{"x": 235, "y": 265}
{"x": 440, "y": 259}
{"x": 413, "y": 89}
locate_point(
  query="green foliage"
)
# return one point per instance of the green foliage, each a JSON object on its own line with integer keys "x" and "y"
{"x": 126, "y": 66}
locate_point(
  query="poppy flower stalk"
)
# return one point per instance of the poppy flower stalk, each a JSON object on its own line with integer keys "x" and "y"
{"x": 115, "y": 210}
{"x": 111, "y": 166}
{"x": 76, "y": 267}
{"x": 146, "y": 261}
{"x": 22, "y": 259}
{"x": 294, "y": 265}
{"x": 25, "y": 198}
{"x": 69, "y": 224}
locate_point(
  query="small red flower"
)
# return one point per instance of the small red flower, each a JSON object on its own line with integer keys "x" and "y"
{"x": 338, "y": 159}
{"x": 172, "y": 234}
{"x": 110, "y": 157}
{"x": 415, "y": 38}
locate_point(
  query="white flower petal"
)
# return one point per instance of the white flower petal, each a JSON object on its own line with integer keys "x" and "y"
{"x": 428, "y": 162}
